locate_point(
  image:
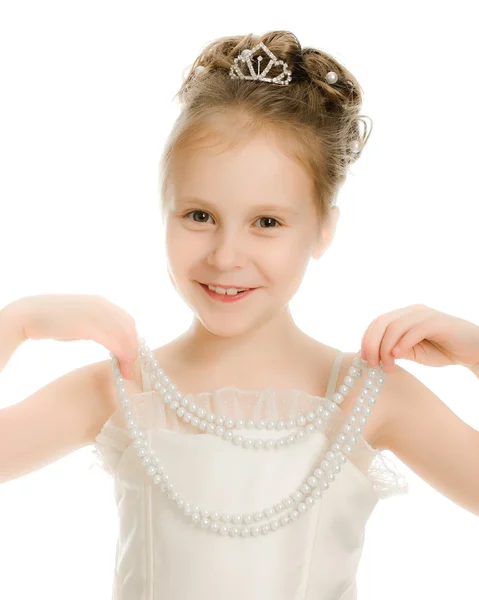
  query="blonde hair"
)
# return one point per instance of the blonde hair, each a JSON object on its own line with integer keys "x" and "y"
{"x": 313, "y": 121}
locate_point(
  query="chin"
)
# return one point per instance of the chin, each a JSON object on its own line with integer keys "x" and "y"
{"x": 225, "y": 327}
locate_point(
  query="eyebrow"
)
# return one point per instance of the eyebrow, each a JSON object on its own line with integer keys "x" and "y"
{"x": 258, "y": 207}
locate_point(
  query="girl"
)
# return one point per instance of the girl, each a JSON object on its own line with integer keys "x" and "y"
{"x": 227, "y": 487}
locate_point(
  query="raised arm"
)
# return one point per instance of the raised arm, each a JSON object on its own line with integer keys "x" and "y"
{"x": 12, "y": 334}
{"x": 67, "y": 413}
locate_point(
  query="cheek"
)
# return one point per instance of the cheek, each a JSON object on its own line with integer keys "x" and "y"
{"x": 180, "y": 250}
{"x": 286, "y": 261}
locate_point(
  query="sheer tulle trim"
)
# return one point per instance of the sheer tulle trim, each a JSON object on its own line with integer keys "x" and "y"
{"x": 385, "y": 478}
{"x": 150, "y": 412}
{"x": 108, "y": 448}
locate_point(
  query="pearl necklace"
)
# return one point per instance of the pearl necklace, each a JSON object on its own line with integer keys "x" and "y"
{"x": 223, "y": 428}
{"x": 296, "y": 504}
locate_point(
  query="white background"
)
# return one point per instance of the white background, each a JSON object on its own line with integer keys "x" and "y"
{"x": 85, "y": 105}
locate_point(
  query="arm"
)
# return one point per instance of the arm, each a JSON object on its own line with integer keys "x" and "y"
{"x": 431, "y": 439}
{"x": 54, "y": 421}
{"x": 57, "y": 419}
{"x": 12, "y": 334}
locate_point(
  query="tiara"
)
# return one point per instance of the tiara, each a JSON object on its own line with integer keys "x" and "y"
{"x": 246, "y": 57}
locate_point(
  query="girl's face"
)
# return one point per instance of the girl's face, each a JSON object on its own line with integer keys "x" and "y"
{"x": 244, "y": 218}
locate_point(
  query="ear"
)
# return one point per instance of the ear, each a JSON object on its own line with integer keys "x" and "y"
{"x": 326, "y": 234}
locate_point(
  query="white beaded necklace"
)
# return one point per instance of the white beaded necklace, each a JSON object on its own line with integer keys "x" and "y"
{"x": 296, "y": 503}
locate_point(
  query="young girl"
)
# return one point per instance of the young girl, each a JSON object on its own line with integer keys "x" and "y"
{"x": 226, "y": 486}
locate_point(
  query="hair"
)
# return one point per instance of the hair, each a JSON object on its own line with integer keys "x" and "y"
{"x": 313, "y": 121}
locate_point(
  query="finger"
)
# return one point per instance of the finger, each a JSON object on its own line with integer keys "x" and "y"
{"x": 396, "y": 331}
{"x": 412, "y": 337}
{"x": 381, "y": 336}
{"x": 364, "y": 339}
{"x": 372, "y": 336}
{"x": 130, "y": 351}
{"x": 121, "y": 339}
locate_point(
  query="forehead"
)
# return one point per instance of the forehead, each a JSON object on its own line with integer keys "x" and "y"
{"x": 255, "y": 168}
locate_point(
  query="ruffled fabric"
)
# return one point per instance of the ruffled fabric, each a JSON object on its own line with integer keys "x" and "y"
{"x": 387, "y": 481}
{"x": 108, "y": 448}
{"x": 150, "y": 412}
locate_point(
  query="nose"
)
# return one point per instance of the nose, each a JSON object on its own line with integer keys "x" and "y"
{"x": 227, "y": 251}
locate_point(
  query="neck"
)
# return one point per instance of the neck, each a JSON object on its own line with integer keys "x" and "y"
{"x": 273, "y": 342}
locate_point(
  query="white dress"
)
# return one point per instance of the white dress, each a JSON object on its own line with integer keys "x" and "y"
{"x": 162, "y": 555}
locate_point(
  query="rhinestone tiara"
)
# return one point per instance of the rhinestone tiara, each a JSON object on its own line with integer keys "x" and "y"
{"x": 246, "y": 57}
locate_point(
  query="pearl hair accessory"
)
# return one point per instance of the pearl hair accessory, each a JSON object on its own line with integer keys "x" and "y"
{"x": 300, "y": 500}
{"x": 282, "y": 79}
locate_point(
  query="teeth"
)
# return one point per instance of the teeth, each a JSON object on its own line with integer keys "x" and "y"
{"x": 229, "y": 291}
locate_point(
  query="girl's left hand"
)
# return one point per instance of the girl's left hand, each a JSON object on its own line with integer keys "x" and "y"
{"x": 422, "y": 334}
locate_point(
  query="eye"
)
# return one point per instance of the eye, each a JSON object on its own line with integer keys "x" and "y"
{"x": 268, "y": 219}
{"x": 201, "y": 212}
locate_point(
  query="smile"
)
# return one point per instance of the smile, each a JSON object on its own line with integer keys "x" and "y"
{"x": 226, "y": 297}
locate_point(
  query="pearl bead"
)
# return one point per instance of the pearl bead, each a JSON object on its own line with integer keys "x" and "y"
{"x": 331, "y": 77}
{"x": 297, "y": 496}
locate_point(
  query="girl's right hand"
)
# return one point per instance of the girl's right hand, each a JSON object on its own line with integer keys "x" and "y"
{"x": 68, "y": 317}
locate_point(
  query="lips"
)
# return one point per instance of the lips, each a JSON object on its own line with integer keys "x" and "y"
{"x": 226, "y": 298}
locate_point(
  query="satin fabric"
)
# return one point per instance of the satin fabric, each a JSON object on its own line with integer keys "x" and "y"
{"x": 162, "y": 555}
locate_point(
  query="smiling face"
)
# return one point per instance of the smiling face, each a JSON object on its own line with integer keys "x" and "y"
{"x": 244, "y": 217}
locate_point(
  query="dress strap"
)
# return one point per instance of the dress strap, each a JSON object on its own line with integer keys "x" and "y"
{"x": 144, "y": 379}
{"x": 333, "y": 378}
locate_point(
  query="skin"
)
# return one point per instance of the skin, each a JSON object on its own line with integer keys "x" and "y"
{"x": 230, "y": 240}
